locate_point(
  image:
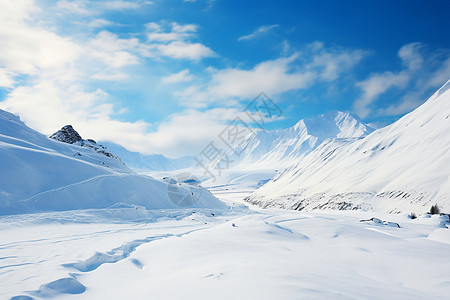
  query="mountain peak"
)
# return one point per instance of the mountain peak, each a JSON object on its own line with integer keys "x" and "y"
{"x": 334, "y": 124}
{"x": 67, "y": 135}
{"x": 285, "y": 146}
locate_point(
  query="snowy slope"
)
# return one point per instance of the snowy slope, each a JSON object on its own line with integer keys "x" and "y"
{"x": 183, "y": 255}
{"x": 284, "y": 147}
{"x": 154, "y": 162}
{"x": 41, "y": 174}
{"x": 401, "y": 168}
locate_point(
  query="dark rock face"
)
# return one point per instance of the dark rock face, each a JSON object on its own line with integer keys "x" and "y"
{"x": 67, "y": 135}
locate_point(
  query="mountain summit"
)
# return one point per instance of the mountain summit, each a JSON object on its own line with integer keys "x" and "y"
{"x": 67, "y": 135}
{"x": 285, "y": 147}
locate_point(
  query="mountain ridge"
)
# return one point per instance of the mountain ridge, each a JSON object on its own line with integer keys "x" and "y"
{"x": 284, "y": 147}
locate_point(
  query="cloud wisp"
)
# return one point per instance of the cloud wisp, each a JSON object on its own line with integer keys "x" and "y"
{"x": 260, "y": 31}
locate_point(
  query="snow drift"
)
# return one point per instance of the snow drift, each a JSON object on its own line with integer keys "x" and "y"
{"x": 403, "y": 167}
{"x": 40, "y": 174}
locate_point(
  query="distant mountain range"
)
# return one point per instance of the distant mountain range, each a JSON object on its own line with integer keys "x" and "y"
{"x": 283, "y": 148}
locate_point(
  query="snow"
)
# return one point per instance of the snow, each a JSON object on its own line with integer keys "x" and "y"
{"x": 267, "y": 254}
{"x": 399, "y": 168}
{"x": 38, "y": 174}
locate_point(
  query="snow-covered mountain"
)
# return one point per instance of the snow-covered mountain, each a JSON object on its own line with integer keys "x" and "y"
{"x": 403, "y": 167}
{"x": 282, "y": 148}
{"x": 265, "y": 149}
{"x": 42, "y": 174}
{"x": 153, "y": 162}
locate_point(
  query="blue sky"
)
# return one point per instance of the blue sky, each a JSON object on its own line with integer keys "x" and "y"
{"x": 165, "y": 76}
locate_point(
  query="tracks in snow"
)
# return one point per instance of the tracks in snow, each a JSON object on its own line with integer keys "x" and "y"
{"x": 70, "y": 285}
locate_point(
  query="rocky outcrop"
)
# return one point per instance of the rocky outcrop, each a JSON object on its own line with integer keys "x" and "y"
{"x": 67, "y": 135}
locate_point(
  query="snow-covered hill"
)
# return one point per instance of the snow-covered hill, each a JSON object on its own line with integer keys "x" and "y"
{"x": 41, "y": 174}
{"x": 282, "y": 148}
{"x": 153, "y": 162}
{"x": 403, "y": 167}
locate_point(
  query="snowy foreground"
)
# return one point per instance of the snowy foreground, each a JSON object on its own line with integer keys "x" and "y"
{"x": 126, "y": 253}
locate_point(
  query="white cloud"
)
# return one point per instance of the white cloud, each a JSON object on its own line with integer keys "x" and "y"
{"x": 31, "y": 49}
{"x": 86, "y": 7}
{"x": 6, "y": 78}
{"x": 120, "y": 5}
{"x": 111, "y": 42}
{"x": 175, "y": 43}
{"x": 375, "y": 86}
{"x": 177, "y": 32}
{"x": 180, "y": 49}
{"x": 411, "y": 56}
{"x": 100, "y": 23}
{"x": 440, "y": 76}
{"x": 17, "y": 11}
{"x": 112, "y": 50}
{"x": 273, "y": 77}
{"x": 418, "y": 73}
{"x": 187, "y": 132}
{"x": 332, "y": 62}
{"x": 184, "y": 28}
{"x": 74, "y": 6}
{"x": 418, "y": 94}
{"x": 262, "y": 30}
{"x": 110, "y": 76}
{"x": 47, "y": 105}
{"x": 182, "y": 76}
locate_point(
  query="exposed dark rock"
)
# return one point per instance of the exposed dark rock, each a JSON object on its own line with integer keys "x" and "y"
{"x": 66, "y": 135}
